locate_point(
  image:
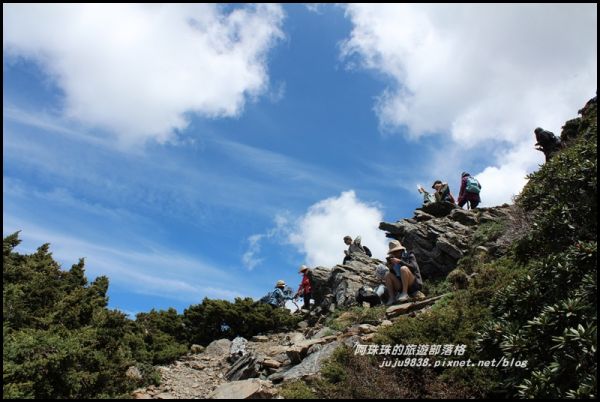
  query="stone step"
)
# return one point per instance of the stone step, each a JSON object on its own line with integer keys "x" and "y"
{"x": 404, "y": 308}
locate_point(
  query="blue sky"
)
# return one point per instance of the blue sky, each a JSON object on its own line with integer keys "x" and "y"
{"x": 207, "y": 151}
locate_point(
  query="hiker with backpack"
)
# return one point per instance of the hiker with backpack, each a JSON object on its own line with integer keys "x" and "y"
{"x": 305, "y": 289}
{"x": 279, "y": 295}
{"x": 469, "y": 191}
{"x": 354, "y": 247}
{"x": 403, "y": 280}
{"x": 547, "y": 142}
{"x": 442, "y": 192}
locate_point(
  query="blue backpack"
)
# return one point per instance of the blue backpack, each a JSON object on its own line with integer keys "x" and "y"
{"x": 274, "y": 299}
{"x": 473, "y": 185}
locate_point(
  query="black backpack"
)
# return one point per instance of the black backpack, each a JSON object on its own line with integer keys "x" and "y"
{"x": 365, "y": 294}
{"x": 367, "y": 251}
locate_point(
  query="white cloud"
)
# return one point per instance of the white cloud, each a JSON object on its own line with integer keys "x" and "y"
{"x": 251, "y": 258}
{"x": 319, "y": 233}
{"x": 137, "y": 70}
{"x": 479, "y": 74}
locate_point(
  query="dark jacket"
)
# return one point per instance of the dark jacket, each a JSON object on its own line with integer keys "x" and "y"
{"x": 409, "y": 259}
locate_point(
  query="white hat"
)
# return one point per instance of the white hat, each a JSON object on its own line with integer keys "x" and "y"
{"x": 395, "y": 245}
{"x": 303, "y": 268}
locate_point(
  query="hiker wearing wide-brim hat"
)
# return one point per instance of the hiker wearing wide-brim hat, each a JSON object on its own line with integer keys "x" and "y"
{"x": 279, "y": 295}
{"x": 305, "y": 288}
{"x": 404, "y": 278}
{"x": 395, "y": 245}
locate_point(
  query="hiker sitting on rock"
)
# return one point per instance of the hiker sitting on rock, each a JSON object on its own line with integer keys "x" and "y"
{"x": 404, "y": 279}
{"x": 469, "y": 191}
{"x": 547, "y": 142}
{"x": 280, "y": 295}
{"x": 427, "y": 197}
{"x": 442, "y": 192}
{"x": 354, "y": 247}
{"x": 305, "y": 290}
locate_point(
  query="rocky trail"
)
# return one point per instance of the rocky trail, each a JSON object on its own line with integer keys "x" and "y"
{"x": 257, "y": 368}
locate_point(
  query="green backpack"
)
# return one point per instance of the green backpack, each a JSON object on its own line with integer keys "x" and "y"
{"x": 473, "y": 185}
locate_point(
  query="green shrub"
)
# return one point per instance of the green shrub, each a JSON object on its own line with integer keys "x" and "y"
{"x": 487, "y": 232}
{"x": 297, "y": 390}
{"x": 343, "y": 319}
{"x": 549, "y": 316}
{"x": 216, "y": 319}
{"x": 458, "y": 279}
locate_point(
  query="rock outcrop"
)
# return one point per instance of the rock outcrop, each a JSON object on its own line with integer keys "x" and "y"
{"x": 439, "y": 242}
{"x": 439, "y": 234}
{"x": 336, "y": 287}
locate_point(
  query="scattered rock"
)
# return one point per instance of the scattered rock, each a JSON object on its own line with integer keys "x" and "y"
{"x": 294, "y": 337}
{"x": 313, "y": 349}
{"x": 271, "y": 363}
{"x": 366, "y": 329}
{"x": 140, "y": 395}
{"x": 247, "y": 389}
{"x": 368, "y": 338}
{"x": 312, "y": 364}
{"x": 165, "y": 395}
{"x": 197, "y": 349}
{"x": 260, "y": 338}
{"x": 220, "y": 347}
{"x": 134, "y": 373}
{"x": 238, "y": 348}
{"x": 245, "y": 367}
{"x": 325, "y": 331}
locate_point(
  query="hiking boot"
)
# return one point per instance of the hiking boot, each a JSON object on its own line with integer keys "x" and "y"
{"x": 418, "y": 295}
{"x": 402, "y": 297}
{"x": 390, "y": 301}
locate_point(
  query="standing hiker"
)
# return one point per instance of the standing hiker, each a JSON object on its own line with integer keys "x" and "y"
{"x": 469, "y": 191}
{"x": 305, "y": 289}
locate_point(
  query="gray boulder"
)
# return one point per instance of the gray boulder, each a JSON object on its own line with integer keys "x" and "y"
{"x": 338, "y": 286}
{"x": 219, "y": 347}
{"x": 311, "y": 365}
